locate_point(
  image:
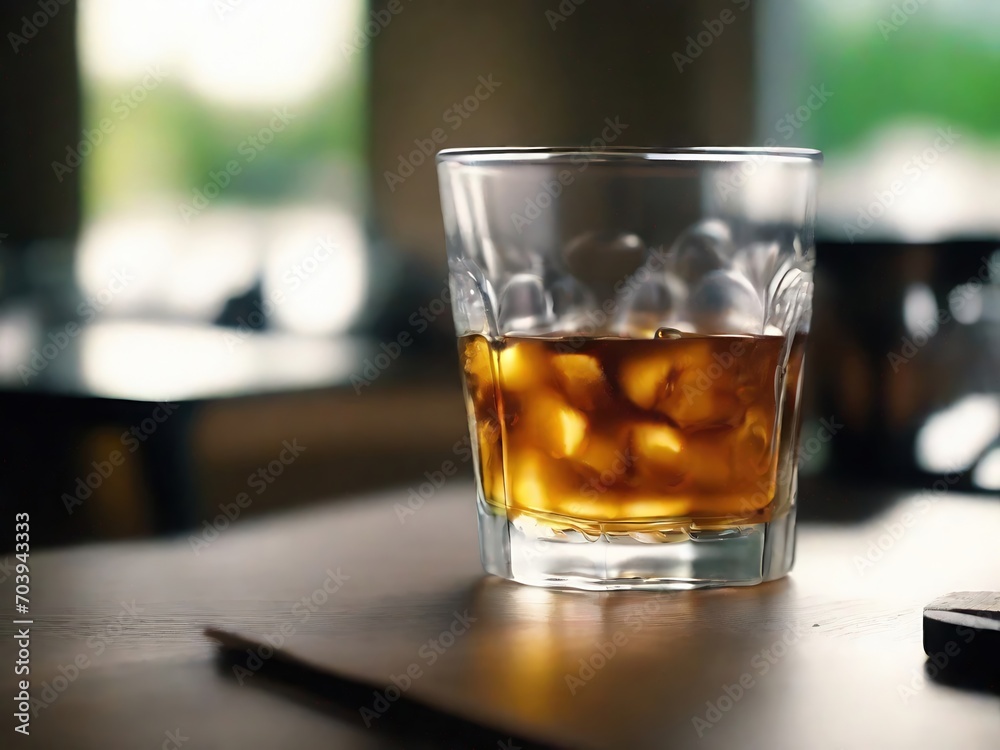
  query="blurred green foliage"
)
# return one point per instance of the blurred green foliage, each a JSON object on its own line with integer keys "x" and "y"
{"x": 923, "y": 70}
{"x": 169, "y": 143}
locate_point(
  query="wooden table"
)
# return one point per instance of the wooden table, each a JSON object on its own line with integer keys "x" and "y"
{"x": 828, "y": 658}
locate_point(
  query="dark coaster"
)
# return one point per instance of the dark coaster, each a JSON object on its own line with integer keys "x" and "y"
{"x": 962, "y": 633}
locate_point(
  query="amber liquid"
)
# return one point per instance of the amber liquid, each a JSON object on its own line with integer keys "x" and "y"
{"x": 620, "y": 435}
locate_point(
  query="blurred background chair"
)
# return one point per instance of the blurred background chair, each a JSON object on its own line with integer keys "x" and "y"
{"x": 231, "y": 206}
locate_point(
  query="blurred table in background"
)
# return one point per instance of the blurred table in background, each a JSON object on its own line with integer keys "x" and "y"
{"x": 833, "y": 652}
{"x": 134, "y": 428}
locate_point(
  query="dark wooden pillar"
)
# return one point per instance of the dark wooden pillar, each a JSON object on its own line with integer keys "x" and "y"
{"x": 39, "y": 120}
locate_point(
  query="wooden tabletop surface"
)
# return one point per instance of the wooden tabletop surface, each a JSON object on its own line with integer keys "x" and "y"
{"x": 830, "y": 657}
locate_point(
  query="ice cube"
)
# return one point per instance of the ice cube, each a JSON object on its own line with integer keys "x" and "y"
{"x": 701, "y": 249}
{"x": 607, "y": 457}
{"x": 521, "y": 366}
{"x": 553, "y": 425}
{"x": 538, "y": 481}
{"x": 572, "y": 429}
{"x": 660, "y": 454}
{"x": 644, "y": 379}
{"x": 528, "y": 481}
{"x": 725, "y": 302}
{"x": 699, "y": 401}
{"x": 649, "y": 304}
{"x": 657, "y": 442}
{"x": 575, "y": 368}
{"x": 525, "y": 306}
{"x": 581, "y": 378}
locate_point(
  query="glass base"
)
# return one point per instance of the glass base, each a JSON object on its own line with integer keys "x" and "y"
{"x": 530, "y": 553}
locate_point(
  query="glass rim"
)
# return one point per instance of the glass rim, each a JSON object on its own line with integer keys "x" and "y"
{"x": 475, "y": 156}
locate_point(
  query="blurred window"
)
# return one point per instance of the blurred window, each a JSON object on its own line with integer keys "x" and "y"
{"x": 222, "y": 155}
{"x": 902, "y": 96}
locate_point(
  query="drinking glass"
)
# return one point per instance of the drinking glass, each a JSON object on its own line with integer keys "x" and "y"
{"x": 631, "y": 328}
